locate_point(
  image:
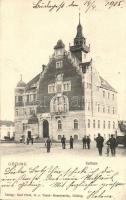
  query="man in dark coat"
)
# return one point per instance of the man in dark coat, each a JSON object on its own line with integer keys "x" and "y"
{"x": 88, "y": 141}
{"x": 99, "y": 142}
{"x": 63, "y": 141}
{"x": 48, "y": 144}
{"x": 113, "y": 144}
{"x": 84, "y": 142}
{"x": 71, "y": 142}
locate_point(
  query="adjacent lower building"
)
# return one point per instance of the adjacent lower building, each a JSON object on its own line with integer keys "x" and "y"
{"x": 68, "y": 97}
{"x": 7, "y": 130}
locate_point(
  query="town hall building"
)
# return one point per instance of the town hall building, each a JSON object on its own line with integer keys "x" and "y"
{"x": 68, "y": 97}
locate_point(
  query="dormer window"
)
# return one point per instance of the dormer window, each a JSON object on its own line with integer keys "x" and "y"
{"x": 51, "y": 88}
{"x": 59, "y": 64}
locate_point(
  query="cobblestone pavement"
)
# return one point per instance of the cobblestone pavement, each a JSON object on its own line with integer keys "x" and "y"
{"x": 39, "y": 148}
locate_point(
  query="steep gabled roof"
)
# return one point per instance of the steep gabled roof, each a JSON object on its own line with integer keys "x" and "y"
{"x": 106, "y": 85}
{"x": 33, "y": 81}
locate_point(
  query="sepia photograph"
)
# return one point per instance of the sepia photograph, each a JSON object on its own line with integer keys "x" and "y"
{"x": 62, "y": 99}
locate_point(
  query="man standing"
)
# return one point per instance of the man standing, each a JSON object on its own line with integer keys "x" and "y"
{"x": 63, "y": 141}
{"x": 71, "y": 142}
{"x": 113, "y": 143}
{"x": 88, "y": 142}
{"x": 84, "y": 142}
{"x": 48, "y": 144}
{"x": 99, "y": 142}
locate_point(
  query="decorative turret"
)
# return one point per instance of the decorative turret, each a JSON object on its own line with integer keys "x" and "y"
{"x": 79, "y": 43}
{"x": 21, "y": 83}
{"x": 19, "y": 91}
{"x": 59, "y": 49}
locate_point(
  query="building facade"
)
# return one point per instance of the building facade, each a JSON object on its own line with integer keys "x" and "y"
{"x": 7, "y": 130}
{"x": 68, "y": 97}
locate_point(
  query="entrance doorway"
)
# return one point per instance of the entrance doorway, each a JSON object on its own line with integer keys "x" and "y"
{"x": 29, "y": 134}
{"x": 45, "y": 129}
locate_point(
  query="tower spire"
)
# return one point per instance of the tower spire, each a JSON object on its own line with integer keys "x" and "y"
{"x": 79, "y": 16}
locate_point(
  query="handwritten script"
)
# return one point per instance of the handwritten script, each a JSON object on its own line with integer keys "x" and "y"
{"x": 89, "y": 181}
{"x": 85, "y": 5}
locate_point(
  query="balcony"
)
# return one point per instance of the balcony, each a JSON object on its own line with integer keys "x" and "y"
{"x": 83, "y": 47}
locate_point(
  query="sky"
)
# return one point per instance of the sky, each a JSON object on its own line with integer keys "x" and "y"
{"x": 29, "y": 35}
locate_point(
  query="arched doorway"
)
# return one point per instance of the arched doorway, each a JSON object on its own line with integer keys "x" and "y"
{"x": 45, "y": 129}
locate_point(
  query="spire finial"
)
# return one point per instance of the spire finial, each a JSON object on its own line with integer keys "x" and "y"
{"x": 79, "y": 15}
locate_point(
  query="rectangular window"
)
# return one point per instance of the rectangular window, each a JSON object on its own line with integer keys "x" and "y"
{"x": 113, "y": 97}
{"x": 88, "y": 123}
{"x": 98, "y": 123}
{"x": 75, "y": 124}
{"x": 59, "y": 125}
{"x": 93, "y": 123}
{"x": 31, "y": 97}
{"x": 103, "y": 124}
{"x": 51, "y": 88}
{"x": 34, "y": 97}
{"x": 20, "y": 98}
{"x": 59, "y": 64}
{"x": 67, "y": 86}
{"x": 27, "y": 98}
{"x": 108, "y": 95}
{"x": 103, "y": 94}
{"x": 109, "y": 125}
{"x": 113, "y": 125}
{"x": 24, "y": 127}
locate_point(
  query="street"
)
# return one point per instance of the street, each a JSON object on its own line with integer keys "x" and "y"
{"x": 56, "y": 148}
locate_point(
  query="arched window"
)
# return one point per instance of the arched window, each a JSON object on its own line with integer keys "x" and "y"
{"x": 75, "y": 137}
{"x": 59, "y": 137}
{"x": 75, "y": 124}
{"x": 59, "y": 104}
{"x": 59, "y": 125}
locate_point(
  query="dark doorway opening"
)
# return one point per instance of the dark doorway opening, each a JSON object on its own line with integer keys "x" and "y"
{"x": 29, "y": 134}
{"x": 45, "y": 129}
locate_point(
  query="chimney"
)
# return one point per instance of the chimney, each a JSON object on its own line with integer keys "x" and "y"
{"x": 43, "y": 67}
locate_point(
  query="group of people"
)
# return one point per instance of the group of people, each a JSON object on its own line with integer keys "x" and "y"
{"x": 86, "y": 142}
{"x": 63, "y": 141}
{"x": 111, "y": 143}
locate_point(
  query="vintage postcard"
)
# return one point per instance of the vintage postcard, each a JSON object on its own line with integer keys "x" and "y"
{"x": 62, "y": 99}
